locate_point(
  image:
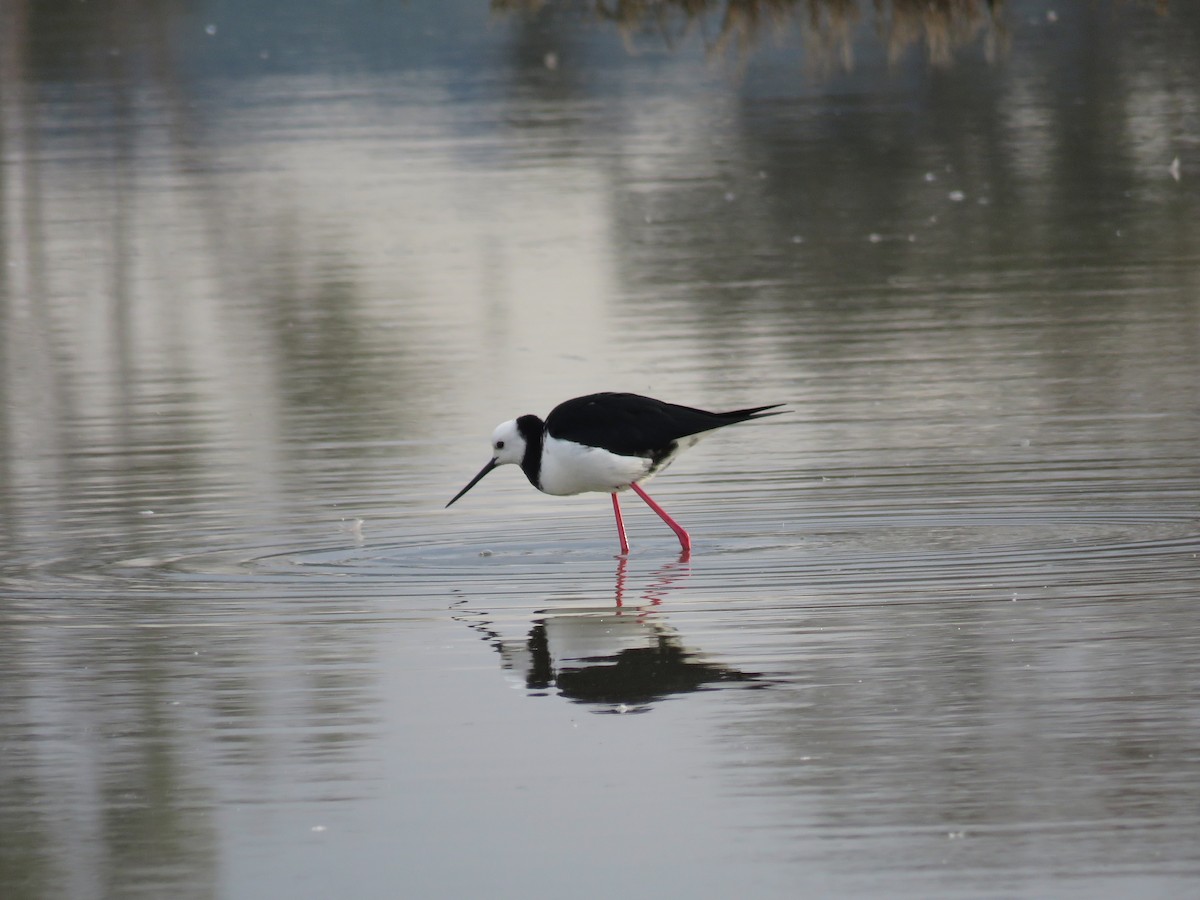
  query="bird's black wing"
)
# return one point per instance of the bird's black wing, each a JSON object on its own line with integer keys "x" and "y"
{"x": 633, "y": 425}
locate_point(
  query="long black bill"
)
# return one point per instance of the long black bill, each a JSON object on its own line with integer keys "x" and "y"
{"x": 474, "y": 481}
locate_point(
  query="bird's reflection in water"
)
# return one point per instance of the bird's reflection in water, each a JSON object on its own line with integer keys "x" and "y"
{"x": 619, "y": 659}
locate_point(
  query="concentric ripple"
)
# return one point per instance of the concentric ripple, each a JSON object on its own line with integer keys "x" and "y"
{"x": 847, "y": 554}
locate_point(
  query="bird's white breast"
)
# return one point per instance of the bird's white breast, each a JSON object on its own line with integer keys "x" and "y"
{"x": 571, "y": 468}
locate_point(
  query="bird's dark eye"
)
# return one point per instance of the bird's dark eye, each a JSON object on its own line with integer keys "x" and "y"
{"x": 499, "y": 445}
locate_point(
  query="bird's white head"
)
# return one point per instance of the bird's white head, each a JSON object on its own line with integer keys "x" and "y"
{"x": 508, "y": 446}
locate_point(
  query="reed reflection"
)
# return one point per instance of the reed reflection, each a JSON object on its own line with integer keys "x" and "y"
{"x": 617, "y": 659}
{"x": 827, "y": 28}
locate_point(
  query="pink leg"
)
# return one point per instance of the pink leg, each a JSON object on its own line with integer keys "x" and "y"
{"x": 620, "y": 525}
{"x": 684, "y": 540}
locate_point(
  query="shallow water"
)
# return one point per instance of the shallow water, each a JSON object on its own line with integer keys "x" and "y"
{"x": 269, "y": 285}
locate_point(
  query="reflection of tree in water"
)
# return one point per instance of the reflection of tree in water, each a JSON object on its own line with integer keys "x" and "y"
{"x": 827, "y": 27}
{"x": 109, "y": 394}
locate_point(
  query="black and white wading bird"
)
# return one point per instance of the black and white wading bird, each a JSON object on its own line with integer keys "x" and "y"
{"x": 606, "y": 442}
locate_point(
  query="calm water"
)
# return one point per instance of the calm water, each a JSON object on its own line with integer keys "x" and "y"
{"x": 271, "y": 277}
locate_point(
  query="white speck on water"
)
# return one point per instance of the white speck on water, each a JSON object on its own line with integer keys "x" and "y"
{"x": 146, "y": 512}
{"x": 318, "y": 829}
{"x": 550, "y": 60}
{"x": 210, "y": 29}
{"x": 874, "y": 237}
{"x": 797, "y": 239}
{"x": 930, "y": 176}
{"x": 957, "y": 196}
{"x": 1051, "y": 16}
{"x": 1175, "y": 170}
{"x": 354, "y": 527}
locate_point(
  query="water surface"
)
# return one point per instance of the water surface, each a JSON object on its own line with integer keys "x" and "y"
{"x": 269, "y": 283}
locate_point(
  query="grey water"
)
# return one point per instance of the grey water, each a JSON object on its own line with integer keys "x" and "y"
{"x": 273, "y": 272}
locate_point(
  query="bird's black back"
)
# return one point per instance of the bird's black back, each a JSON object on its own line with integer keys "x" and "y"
{"x": 633, "y": 425}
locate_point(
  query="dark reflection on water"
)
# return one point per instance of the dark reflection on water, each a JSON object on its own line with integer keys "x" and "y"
{"x": 269, "y": 281}
{"x": 621, "y": 658}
